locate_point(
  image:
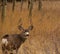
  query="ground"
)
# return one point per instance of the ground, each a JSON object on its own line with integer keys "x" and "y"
{"x": 45, "y": 37}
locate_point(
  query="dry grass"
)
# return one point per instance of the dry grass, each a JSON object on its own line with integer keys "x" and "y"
{"x": 45, "y": 37}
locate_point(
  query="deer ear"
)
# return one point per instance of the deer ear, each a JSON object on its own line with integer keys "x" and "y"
{"x": 30, "y": 27}
{"x": 20, "y": 27}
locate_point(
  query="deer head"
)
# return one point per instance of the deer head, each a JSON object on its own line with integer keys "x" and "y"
{"x": 25, "y": 32}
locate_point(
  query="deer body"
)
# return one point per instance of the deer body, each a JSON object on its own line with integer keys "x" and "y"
{"x": 14, "y": 40}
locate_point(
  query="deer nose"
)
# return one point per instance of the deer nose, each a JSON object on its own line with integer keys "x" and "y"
{"x": 27, "y": 35}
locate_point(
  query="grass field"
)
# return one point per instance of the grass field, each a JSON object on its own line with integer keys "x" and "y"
{"x": 45, "y": 37}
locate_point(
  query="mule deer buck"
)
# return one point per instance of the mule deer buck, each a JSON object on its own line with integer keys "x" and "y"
{"x": 13, "y": 42}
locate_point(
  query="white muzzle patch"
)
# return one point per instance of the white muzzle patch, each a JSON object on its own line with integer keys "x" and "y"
{"x": 5, "y": 41}
{"x": 27, "y": 33}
